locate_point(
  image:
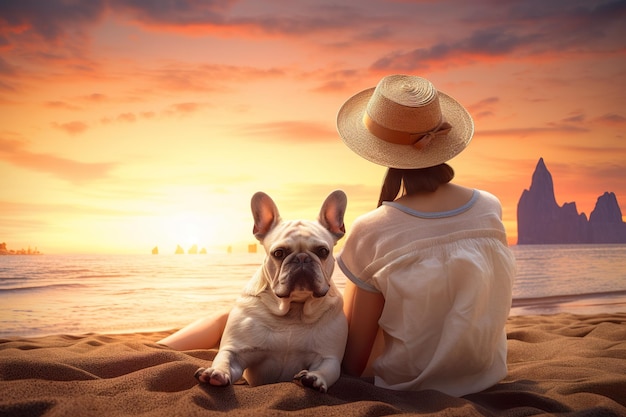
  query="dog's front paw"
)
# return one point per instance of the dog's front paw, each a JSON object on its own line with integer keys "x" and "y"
{"x": 212, "y": 376}
{"x": 311, "y": 380}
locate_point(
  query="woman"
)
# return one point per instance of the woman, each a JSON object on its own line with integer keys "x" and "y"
{"x": 430, "y": 266}
{"x": 429, "y": 270}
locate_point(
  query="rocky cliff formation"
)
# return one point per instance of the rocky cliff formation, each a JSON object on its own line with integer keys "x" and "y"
{"x": 540, "y": 220}
{"x": 605, "y": 221}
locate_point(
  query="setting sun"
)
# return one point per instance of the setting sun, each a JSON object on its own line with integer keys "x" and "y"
{"x": 188, "y": 229}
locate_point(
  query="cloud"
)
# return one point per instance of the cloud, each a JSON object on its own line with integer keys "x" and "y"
{"x": 575, "y": 118}
{"x": 293, "y": 132}
{"x": 183, "y": 12}
{"x": 185, "y": 108}
{"x": 532, "y": 131}
{"x": 9, "y": 73}
{"x": 483, "y": 108}
{"x": 612, "y": 119}
{"x": 50, "y": 19}
{"x": 532, "y": 28}
{"x": 224, "y": 19}
{"x": 576, "y": 123}
{"x": 177, "y": 109}
{"x": 6, "y": 69}
{"x": 607, "y": 119}
{"x": 38, "y": 35}
{"x": 337, "y": 80}
{"x": 182, "y": 109}
{"x": 73, "y": 128}
{"x": 127, "y": 117}
{"x": 205, "y": 77}
{"x": 14, "y": 152}
{"x": 88, "y": 99}
{"x": 56, "y": 21}
{"x": 597, "y": 150}
{"x": 533, "y": 23}
{"x": 492, "y": 42}
{"x": 95, "y": 97}
{"x": 4, "y": 86}
{"x": 57, "y": 104}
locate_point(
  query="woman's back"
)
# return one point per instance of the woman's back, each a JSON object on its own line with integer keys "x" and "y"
{"x": 446, "y": 277}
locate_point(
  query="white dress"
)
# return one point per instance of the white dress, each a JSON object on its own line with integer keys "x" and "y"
{"x": 446, "y": 278}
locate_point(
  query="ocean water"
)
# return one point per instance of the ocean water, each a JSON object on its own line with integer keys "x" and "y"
{"x": 56, "y": 294}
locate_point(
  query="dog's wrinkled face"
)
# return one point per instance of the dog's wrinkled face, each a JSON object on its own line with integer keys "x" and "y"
{"x": 299, "y": 261}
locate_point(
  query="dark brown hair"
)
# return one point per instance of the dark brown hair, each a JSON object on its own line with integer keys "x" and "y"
{"x": 414, "y": 181}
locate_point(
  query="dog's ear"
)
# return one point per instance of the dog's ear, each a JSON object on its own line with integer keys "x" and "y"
{"x": 332, "y": 212}
{"x": 265, "y": 214}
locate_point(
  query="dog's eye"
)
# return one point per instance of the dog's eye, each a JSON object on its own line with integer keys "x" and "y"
{"x": 322, "y": 252}
{"x": 278, "y": 253}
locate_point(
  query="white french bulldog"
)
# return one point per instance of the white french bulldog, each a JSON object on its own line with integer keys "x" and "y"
{"x": 289, "y": 322}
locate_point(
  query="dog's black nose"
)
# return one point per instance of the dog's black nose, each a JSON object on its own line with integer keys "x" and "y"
{"x": 302, "y": 258}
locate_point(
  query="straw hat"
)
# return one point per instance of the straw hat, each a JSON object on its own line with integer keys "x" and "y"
{"x": 405, "y": 123}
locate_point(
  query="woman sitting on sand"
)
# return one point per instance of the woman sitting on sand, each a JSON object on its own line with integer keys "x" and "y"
{"x": 430, "y": 267}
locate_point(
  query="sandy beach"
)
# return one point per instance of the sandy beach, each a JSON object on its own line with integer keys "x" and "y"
{"x": 562, "y": 364}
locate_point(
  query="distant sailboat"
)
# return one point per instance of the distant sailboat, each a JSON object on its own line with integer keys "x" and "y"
{"x": 155, "y": 250}
{"x": 179, "y": 250}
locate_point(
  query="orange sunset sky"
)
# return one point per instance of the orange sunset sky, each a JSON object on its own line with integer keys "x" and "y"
{"x": 127, "y": 124}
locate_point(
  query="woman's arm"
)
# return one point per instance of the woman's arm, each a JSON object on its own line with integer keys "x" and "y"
{"x": 362, "y": 309}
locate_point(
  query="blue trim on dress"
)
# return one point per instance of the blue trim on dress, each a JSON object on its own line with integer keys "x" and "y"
{"x": 435, "y": 214}
{"x": 358, "y": 282}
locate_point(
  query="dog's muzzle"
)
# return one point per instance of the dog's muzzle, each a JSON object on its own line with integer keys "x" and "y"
{"x": 301, "y": 272}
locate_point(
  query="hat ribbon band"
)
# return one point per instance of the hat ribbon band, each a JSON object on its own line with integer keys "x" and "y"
{"x": 398, "y": 137}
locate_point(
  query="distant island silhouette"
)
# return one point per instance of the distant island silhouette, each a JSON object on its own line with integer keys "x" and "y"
{"x": 180, "y": 251}
{"x": 29, "y": 251}
{"x": 540, "y": 220}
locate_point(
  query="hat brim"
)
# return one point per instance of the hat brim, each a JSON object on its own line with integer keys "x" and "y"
{"x": 357, "y": 137}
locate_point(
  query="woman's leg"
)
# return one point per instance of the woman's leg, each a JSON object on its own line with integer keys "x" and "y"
{"x": 202, "y": 334}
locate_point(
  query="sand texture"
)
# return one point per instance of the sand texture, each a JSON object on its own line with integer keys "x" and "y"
{"x": 558, "y": 365}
